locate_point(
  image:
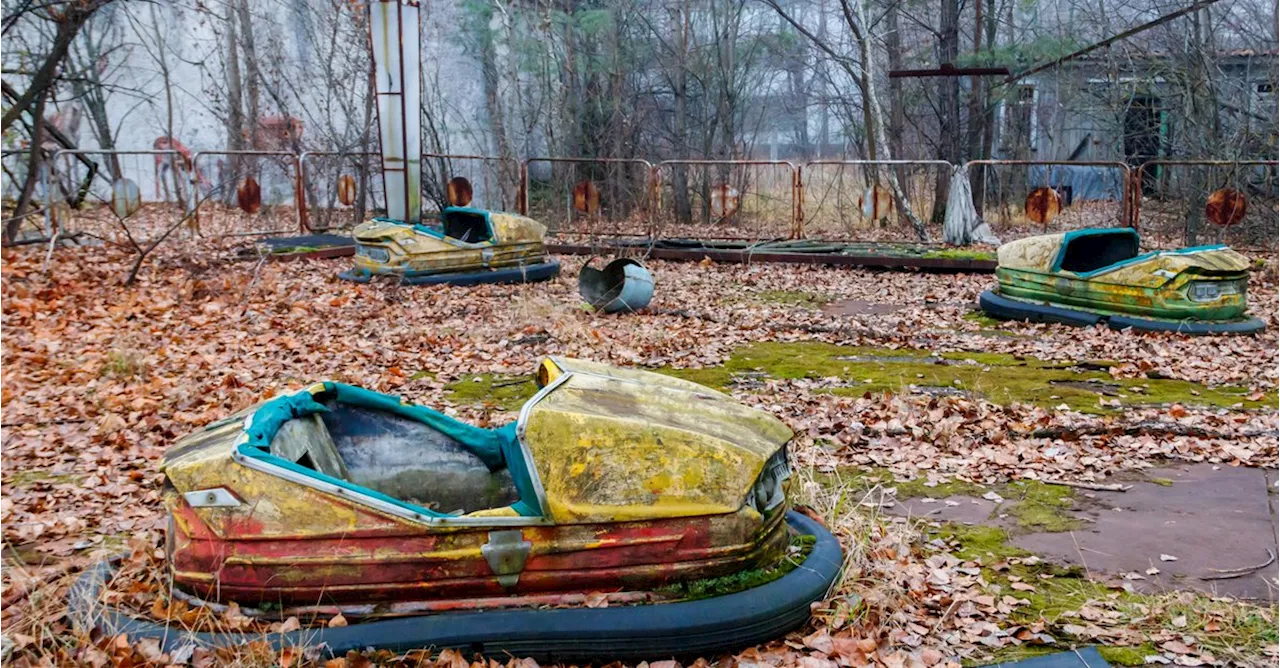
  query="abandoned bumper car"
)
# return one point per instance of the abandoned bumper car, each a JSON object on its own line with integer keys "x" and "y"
{"x": 467, "y": 247}
{"x": 1091, "y": 276}
{"x": 645, "y": 493}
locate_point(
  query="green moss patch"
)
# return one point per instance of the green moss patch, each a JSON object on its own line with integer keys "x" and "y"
{"x": 1012, "y": 654}
{"x": 1032, "y": 505}
{"x": 1058, "y": 592}
{"x": 1040, "y": 507}
{"x": 998, "y": 377}
{"x": 991, "y": 326}
{"x": 906, "y": 489}
{"x": 506, "y": 393}
{"x": 961, "y": 254}
{"x": 1128, "y": 656}
{"x": 29, "y": 477}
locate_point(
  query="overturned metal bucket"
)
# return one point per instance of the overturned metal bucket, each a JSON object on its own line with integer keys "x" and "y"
{"x": 624, "y": 285}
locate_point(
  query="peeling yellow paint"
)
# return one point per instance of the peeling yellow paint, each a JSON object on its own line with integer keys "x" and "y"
{"x": 516, "y": 240}
{"x": 620, "y": 444}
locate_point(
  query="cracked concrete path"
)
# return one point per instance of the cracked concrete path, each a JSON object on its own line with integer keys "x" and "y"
{"x": 1207, "y": 517}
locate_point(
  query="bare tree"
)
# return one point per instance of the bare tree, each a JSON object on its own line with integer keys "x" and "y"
{"x": 862, "y": 69}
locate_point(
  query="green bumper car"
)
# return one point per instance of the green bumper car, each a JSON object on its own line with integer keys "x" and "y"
{"x": 1091, "y": 276}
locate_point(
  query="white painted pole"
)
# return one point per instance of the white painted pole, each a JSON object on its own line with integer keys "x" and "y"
{"x": 393, "y": 26}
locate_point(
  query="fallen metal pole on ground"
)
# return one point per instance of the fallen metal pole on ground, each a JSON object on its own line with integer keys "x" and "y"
{"x": 748, "y": 255}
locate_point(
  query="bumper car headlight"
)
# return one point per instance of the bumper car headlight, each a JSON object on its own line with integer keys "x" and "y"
{"x": 768, "y": 492}
{"x": 374, "y": 253}
{"x": 1207, "y": 291}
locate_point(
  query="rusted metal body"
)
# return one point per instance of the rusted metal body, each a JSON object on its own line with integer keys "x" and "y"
{"x": 373, "y": 560}
{"x": 459, "y": 191}
{"x": 1043, "y": 205}
{"x": 1226, "y": 207}
{"x": 1102, "y": 271}
{"x": 465, "y": 240}
{"x": 627, "y": 480}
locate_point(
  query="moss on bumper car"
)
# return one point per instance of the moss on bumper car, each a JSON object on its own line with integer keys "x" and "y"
{"x": 1092, "y": 276}
{"x": 441, "y": 533}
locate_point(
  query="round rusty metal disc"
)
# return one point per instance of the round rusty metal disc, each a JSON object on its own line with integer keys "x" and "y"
{"x": 1043, "y": 205}
{"x": 459, "y": 191}
{"x": 126, "y": 198}
{"x": 1226, "y": 207}
{"x": 725, "y": 200}
{"x": 586, "y": 198}
{"x": 346, "y": 190}
{"x": 249, "y": 196}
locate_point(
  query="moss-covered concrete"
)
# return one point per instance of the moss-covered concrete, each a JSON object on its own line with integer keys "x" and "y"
{"x": 961, "y": 254}
{"x": 1037, "y": 506}
{"x": 983, "y": 319}
{"x": 1242, "y": 628}
{"x": 1058, "y": 591}
{"x": 1128, "y": 656}
{"x": 507, "y": 393}
{"x": 998, "y": 377}
{"x": 1033, "y": 506}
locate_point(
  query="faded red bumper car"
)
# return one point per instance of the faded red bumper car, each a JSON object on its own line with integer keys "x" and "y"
{"x": 659, "y": 498}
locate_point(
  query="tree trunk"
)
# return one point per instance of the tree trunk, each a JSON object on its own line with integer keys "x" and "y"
{"x": 175, "y": 170}
{"x": 492, "y": 95}
{"x": 977, "y": 125}
{"x": 235, "y": 110}
{"x": 680, "y": 94}
{"x": 89, "y": 89}
{"x": 12, "y": 227}
{"x": 949, "y": 105}
{"x": 897, "y": 109}
{"x": 876, "y": 133}
{"x": 45, "y": 77}
{"x": 253, "y": 90}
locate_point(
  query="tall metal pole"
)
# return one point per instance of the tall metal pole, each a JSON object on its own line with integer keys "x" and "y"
{"x": 393, "y": 27}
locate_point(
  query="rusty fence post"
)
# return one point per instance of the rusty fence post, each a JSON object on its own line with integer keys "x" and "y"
{"x": 797, "y": 221}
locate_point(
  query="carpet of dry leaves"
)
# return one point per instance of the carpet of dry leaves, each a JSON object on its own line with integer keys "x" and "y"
{"x": 99, "y": 378}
